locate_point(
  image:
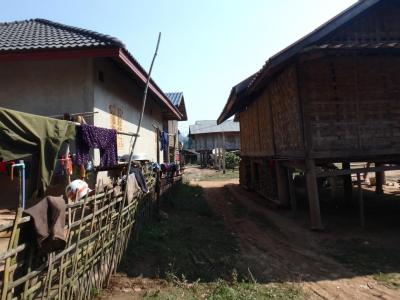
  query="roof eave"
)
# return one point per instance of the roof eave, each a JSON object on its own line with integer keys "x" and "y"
{"x": 235, "y": 100}
{"x": 183, "y": 110}
{"x": 127, "y": 61}
{"x": 276, "y": 61}
{"x": 115, "y": 53}
{"x": 227, "y": 111}
{"x": 53, "y": 54}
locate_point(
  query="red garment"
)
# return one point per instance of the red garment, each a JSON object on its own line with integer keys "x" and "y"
{"x": 271, "y": 165}
{"x": 3, "y": 167}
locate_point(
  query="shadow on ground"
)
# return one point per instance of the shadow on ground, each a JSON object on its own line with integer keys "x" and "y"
{"x": 188, "y": 239}
{"x": 234, "y": 234}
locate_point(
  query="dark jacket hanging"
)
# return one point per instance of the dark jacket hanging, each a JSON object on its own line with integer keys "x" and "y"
{"x": 48, "y": 218}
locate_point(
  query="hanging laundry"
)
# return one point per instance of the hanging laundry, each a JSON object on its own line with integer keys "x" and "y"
{"x": 3, "y": 167}
{"x": 164, "y": 140}
{"x": 132, "y": 187}
{"x": 140, "y": 179}
{"x": 48, "y": 218}
{"x": 89, "y": 137}
{"x": 156, "y": 167}
{"x": 23, "y": 135}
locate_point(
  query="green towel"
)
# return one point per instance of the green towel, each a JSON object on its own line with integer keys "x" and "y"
{"x": 23, "y": 134}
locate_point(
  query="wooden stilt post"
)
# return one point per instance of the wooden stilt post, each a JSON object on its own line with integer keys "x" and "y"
{"x": 360, "y": 201}
{"x": 313, "y": 198}
{"x": 252, "y": 176}
{"x": 347, "y": 183}
{"x": 292, "y": 192}
{"x": 282, "y": 184}
{"x": 158, "y": 175}
{"x": 380, "y": 180}
{"x": 223, "y": 153}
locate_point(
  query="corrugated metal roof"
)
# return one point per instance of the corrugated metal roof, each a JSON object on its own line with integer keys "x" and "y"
{"x": 178, "y": 101}
{"x": 37, "y": 34}
{"x": 210, "y": 126}
{"x": 175, "y": 98}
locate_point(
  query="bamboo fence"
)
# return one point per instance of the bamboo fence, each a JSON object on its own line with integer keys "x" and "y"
{"x": 98, "y": 230}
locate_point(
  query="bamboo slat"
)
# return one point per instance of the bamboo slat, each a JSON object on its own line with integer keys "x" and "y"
{"x": 92, "y": 253}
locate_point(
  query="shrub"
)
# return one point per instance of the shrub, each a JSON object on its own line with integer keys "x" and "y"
{"x": 231, "y": 160}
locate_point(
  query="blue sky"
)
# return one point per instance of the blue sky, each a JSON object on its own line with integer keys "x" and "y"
{"x": 206, "y": 47}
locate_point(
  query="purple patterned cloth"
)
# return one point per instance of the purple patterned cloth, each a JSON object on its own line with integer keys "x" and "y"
{"x": 105, "y": 140}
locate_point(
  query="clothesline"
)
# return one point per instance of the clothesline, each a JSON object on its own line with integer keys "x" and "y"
{"x": 118, "y": 132}
{"x": 88, "y": 114}
{"x": 158, "y": 128}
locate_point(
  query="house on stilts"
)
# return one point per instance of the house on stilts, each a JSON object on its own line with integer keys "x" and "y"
{"x": 331, "y": 97}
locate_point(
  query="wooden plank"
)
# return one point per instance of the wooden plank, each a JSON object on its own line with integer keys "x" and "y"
{"x": 292, "y": 192}
{"x": 380, "y": 178}
{"x": 282, "y": 184}
{"x": 293, "y": 164}
{"x": 356, "y": 171}
{"x": 313, "y": 197}
{"x": 347, "y": 182}
{"x": 360, "y": 201}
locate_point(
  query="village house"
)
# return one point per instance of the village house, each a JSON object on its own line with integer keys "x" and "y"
{"x": 331, "y": 97}
{"x": 50, "y": 69}
{"x": 171, "y": 126}
{"x": 205, "y": 136}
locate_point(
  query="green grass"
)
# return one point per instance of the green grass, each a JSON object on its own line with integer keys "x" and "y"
{"x": 368, "y": 258}
{"x": 223, "y": 290}
{"x": 229, "y": 174}
{"x": 391, "y": 280}
{"x": 190, "y": 241}
{"x": 196, "y": 255}
{"x": 365, "y": 257}
{"x": 214, "y": 176}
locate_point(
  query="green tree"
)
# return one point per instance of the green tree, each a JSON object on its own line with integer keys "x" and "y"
{"x": 231, "y": 160}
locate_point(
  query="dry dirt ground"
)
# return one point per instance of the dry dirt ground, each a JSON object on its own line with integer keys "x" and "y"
{"x": 343, "y": 262}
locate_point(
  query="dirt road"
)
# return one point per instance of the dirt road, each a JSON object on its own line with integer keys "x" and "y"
{"x": 276, "y": 248}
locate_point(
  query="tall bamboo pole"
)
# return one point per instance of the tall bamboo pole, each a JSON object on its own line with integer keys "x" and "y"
{"x": 131, "y": 152}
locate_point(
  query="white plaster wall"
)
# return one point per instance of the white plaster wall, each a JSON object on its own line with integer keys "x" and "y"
{"x": 120, "y": 90}
{"x": 47, "y": 87}
{"x": 59, "y": 86}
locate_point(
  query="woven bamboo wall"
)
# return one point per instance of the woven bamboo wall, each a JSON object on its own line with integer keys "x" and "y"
{"x": 352, "y": 105}
{"x": 272, "y": 124}
{"x": 256, "y": 128}
{"x": 286, "y": 114}
{"x": 98, "y": 230}
{"x": 381, "y": 23}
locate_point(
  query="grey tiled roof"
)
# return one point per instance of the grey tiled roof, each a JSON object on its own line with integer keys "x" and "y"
{"x": 43, "y": 34}
{"x": 175, "y": 98}
{"x": 210, "y": 126}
